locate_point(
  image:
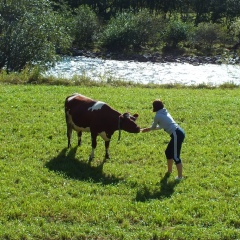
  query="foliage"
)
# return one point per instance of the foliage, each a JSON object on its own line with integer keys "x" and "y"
{"x": 235, "y": 30}
{"x": 86, "y": 26}
{"x": 50, "y": 192}
{"x": 128, "y": 30}
{"x": 35, "y": 32}
{"x": 204, "y": 10}
{"x": 206, "y": 34}
{"x": 232, "y": 10}
{"x": 177, "y": 31}
{"x": 29, "y": 33}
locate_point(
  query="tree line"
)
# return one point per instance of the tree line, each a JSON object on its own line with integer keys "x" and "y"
{"x": 203, "y": 10}
{"x": 37, "y": 32}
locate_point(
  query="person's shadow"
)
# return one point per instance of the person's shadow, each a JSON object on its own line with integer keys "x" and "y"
{"x": 163, "y": 190}
{"x": 67, "y": 164}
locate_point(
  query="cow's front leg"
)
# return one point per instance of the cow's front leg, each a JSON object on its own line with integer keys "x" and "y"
{"x": 94, "y": 145}
{"x": 79, "y": 138}
{"x": 91, "y": 156}
{"x": 107, "y": 156}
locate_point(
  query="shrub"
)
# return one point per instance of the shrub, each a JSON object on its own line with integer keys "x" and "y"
{"x": 176, "y": 32}
{"x": 206, "y": 34}
{"x": 128, "y": 30}
{"x": 144, "y": 25}
{"x": 235, "y": 30}
{"x": 30, "y": 33}
{"x": 85, "y": 26}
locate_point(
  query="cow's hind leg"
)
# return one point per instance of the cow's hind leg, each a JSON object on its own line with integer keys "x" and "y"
{"x": 69, "y": 127}
{"x": 69, "y": 134}
{"x": 107, "y": 156}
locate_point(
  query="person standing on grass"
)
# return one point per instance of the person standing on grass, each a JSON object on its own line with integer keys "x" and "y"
{"x": 163, "y": 120}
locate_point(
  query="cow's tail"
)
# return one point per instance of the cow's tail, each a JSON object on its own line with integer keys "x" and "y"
{"x": 66, "y": 110}
{"x": 119, "y": 128}
{"x": 66, "y": 114}
{"x": 69, "y": 127}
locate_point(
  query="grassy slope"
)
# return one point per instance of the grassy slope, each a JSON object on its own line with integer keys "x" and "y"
{"x": 50, "y": 192}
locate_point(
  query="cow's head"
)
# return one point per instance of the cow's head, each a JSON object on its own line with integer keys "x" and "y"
{"x": 127, "y": 123}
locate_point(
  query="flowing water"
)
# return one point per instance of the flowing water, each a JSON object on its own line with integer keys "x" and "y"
{"x": 147, "y": 72}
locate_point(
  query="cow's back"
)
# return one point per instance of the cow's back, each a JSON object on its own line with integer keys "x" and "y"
{"x": 86, "y": 112}
{"x": 78, "y": 103}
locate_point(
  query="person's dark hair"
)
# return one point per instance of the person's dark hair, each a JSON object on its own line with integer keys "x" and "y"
{"x": 157, "y": 105}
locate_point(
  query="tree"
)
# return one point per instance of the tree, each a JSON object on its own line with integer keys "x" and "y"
{"x": 30, "y": 33}
{"x": 176, "y": 32}
{"x": 86, "y": 26}
{"x": 201, "y": 8}
{"x": 128, "y": 30}
{"x": 218, "y": 10}
{"x": 233, "y": 9}
{"x": 235, "y": 30}
{"x": 207, "y": 34}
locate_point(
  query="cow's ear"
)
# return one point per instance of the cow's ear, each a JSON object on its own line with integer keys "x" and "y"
{"x": 134, "y": 117}
{"x": 126, "y": 115}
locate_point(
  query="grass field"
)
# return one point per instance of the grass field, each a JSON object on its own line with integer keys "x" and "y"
{"x": 50, "y": 192}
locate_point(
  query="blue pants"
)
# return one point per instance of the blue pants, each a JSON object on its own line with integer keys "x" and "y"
{"x": 173, "y": 149}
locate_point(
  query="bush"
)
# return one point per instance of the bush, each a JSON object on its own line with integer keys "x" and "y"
{"x": 176, "y": 32}
{"x": 206, "y": 34}
{"x": 235, "y": 30}
{"x": 85, "y": 26}
{"x": 128, "y": 30}
{"x": 30, "y": 33}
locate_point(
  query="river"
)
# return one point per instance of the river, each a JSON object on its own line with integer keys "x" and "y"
{"x": 146, "y": 72}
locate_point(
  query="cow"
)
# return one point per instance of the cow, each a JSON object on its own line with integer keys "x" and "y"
{"x": 84, "y": 114}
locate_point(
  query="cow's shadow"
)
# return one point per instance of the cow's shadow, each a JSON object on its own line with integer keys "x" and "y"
{"x": 162, "y": 190}
{"x": 67, "y": 164}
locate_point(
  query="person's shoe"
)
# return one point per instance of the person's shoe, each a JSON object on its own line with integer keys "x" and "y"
{"x": 178, "y": 178}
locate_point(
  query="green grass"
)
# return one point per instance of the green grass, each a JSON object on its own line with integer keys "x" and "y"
{"x": 50, "y": 192}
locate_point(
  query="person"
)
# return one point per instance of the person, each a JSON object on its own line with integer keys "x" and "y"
{"x": 163, "y": 120}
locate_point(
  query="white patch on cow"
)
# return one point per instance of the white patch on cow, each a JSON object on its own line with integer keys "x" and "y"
{"x": 104, "y": 136}
{"x": 97, "y": 106}
{"x": 73, "y": 96}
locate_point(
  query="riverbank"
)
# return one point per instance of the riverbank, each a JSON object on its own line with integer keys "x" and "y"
{"x": 230, "y": 57}
{"x": 98, "y": 68}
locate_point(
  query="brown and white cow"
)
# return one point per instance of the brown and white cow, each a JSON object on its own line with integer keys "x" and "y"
{"x": 84, "y": 114}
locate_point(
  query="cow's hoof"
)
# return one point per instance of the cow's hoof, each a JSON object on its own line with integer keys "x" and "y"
{"x": 90, "y": 159}
{"x": 107, "y": 157}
